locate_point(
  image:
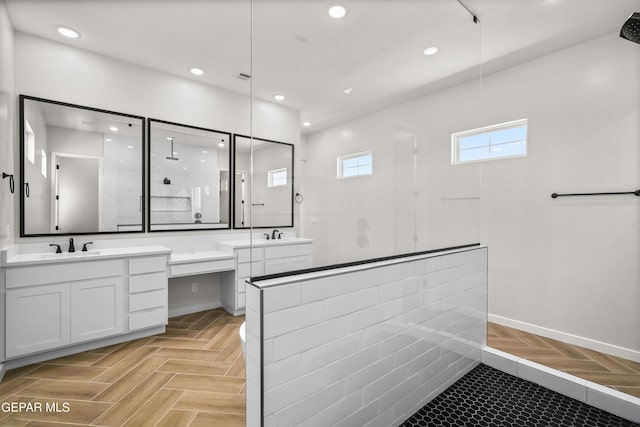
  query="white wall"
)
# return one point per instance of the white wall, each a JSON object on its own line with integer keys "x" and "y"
{"x": 570, "y": 265}
{"x": 7, "y": 117}
{"x": 567, "y": 265}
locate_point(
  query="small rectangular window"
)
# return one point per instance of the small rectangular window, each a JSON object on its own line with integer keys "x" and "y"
{"x": 356, "y": 164}
{"x": 491, "y": 142}
{"x": 277, "y": 177}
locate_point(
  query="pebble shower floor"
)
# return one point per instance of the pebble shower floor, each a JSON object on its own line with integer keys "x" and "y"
{"x": 488, "y": 397}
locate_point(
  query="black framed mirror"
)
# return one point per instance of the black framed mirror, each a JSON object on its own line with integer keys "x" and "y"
{"x": 189, "y": 184}
{"x": 270, "y": 186}
{"x": 81, "y": 169}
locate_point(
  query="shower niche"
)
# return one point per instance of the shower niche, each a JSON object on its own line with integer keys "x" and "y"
{"x": 188, "y": 177}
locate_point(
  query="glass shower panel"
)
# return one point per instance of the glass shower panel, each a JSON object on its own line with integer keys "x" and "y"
{"x": 371, "y": 117}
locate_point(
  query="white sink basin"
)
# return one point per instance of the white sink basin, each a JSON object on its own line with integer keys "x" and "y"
{"x": 64, "y": 255}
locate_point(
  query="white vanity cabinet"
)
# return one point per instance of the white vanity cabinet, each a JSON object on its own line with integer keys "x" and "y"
{"x": 53, "y": 304}
{"x": 265, "y": 257}
{"x": 50, "y": 306}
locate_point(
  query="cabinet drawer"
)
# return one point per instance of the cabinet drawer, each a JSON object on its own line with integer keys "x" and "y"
{"x": 148, "y": 264}
{"x": 63, "y": 272}
{"x": 300, "y": 262}
{"x": 242, "y": 299}
{"x": 146, "y": 300}
{"x": 285, "y": 251}
{"x": 280, "y": 265}
{"x": 241, "y": 285}
{"x": 148, "y": 319}
{"x": 147, "y": 282}
{"x": 244, "y": 255}
{"x": 201, "y": 267}
{"x": 274, "y": 266}
{"x": 250, "y": 269}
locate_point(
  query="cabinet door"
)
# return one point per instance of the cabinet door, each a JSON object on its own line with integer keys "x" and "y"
{"x": 96, "y": 308}
{"x": 37, "y": 319}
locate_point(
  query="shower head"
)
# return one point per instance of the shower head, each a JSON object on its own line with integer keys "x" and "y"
{"x": 631, "y": 28}
{"x": 171, "y": 157}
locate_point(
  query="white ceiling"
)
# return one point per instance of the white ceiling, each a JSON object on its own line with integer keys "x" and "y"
{"x": 299, "y": 51}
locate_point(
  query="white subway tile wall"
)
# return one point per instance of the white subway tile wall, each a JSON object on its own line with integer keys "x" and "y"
{"x": 369, "y": 347}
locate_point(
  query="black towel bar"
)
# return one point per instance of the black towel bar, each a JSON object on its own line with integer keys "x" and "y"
{"x": 636, "y": 193}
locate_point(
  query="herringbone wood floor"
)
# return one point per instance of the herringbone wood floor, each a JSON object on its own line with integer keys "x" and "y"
{"x": 611, "y": 371}
{"x": 193, "y": 375}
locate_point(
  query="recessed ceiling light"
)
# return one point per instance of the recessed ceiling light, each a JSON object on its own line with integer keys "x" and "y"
{"x": 197, "y": 71}
{"x": 68, "y": 32}
{"x": 169, "y": 138}
{"x": 278, "y": 97}
{"x": 337, "y": 11}
{"x": 348, "y": 90}
{"x": 431, "y": 51}
{"x": 203, "y": 160}
{"x": 204, "y": 151}
{"x": 130, "y": 146}
{"x": 220, "y": 144}
{"x": 108, "y": 139}
{"x": 114, "y": 129}
{"x": 306, "y": 124}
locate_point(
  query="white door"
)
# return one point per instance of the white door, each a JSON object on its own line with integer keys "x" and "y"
{"x": 78, "y": 194}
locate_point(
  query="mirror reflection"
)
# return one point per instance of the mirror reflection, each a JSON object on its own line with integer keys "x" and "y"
{"x": 81, "y": 169}
{"x": 188, "y": 177}
{"x": 271, "y": 184}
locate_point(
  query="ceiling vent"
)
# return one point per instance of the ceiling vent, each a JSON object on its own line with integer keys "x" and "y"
{"x": 242, "y": 76}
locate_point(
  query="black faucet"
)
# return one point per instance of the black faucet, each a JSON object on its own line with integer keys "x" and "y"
{"x": 274, "y": 234}
{"x": 71, "y": 247}
{"x": 266, "y": 236}
{"x": 84, "y": 247}
{"x": 58, "y": 251}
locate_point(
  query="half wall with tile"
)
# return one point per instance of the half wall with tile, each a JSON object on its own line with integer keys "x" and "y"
{"x": 365, "y": 344}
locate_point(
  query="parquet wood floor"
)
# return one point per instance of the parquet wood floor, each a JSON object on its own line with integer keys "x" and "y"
{"x": 610, "y": 371}
{"x": 192, "y": 375}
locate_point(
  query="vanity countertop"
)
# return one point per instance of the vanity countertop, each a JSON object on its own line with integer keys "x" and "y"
{"x": 93, "y": 254}
{"x": 189, "y": 257}
{"x": 232, "y": 244}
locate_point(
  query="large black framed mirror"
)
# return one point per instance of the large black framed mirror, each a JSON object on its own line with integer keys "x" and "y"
{"x": 264, "y": 199}
{"x": 189, "y": 184}
{"x": 81, "y": 169}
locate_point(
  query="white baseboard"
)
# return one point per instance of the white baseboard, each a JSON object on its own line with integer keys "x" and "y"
{"x": 603, "y": 347}
{"x": 605, "y": 398}
{"x": 194, "y": 308}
